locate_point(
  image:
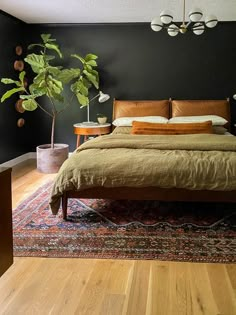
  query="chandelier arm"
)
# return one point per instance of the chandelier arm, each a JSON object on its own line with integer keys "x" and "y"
{"x": 175, "y": 23}
{"x": 168, "y": 26}
{"x": 187, "y": 25}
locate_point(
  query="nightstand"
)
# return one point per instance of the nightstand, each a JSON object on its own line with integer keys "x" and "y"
{"x": 87, "y": 130}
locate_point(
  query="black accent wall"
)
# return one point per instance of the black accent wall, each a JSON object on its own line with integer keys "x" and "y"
{"x": 14, "y": 141}
{"x": 134, "y": 63}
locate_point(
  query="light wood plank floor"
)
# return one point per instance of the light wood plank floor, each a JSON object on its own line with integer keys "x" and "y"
{"x": 110, "y": 287}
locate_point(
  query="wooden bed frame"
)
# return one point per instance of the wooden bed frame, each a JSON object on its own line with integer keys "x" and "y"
{"x": 168, "y": 109}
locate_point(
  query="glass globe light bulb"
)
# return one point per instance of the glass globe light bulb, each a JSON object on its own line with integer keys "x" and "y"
{"x": 166, "y": 17}
{"x": 198, "y": 28}
{"x": 156, "y": 24}
{"x": 211, "y": 21}
{"x": 195, "y": 15}
{"x": 173, "y": 30}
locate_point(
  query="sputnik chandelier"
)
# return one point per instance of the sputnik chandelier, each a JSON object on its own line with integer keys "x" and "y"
{"x": 195, "y": 25}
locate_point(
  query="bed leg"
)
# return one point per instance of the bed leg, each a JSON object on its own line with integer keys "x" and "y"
{"x": 64, "y": 206}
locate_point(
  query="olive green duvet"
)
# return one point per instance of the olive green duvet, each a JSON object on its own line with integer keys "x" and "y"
{"x": 199, "y": 162}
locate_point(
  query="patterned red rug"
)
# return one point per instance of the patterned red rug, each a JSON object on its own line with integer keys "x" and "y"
{"x": 199, "y": 232}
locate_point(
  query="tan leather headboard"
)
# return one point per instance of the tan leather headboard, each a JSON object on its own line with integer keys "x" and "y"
{"x": 141, "y": 108}
{"x": 201, "y": 107}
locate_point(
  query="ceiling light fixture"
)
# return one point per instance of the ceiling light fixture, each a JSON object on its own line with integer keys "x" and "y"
{"x": 195, "y": 25}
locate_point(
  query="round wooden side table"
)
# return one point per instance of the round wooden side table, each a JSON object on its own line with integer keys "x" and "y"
{"x": 81, "y": 129}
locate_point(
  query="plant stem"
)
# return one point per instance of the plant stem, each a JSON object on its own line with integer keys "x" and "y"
{"x": 54, "y": 114}
{"x": 40, "y": 105}
{"x": 44, "y": 110}
{"x": 52, "y": 130}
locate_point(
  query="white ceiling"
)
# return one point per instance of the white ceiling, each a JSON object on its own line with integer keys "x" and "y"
{"x": 111, "y": 11}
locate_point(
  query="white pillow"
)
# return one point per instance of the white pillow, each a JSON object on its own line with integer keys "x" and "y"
{"x": 127, "y": 121}
{"x": 216, "y": 120}
{"x": 219, "y": 130}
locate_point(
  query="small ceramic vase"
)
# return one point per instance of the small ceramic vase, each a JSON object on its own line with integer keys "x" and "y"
{"x": 102, "y": 120}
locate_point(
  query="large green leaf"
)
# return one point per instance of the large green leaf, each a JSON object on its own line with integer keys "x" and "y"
{"x": 83, "y": 88}
{"x": 83, "y": 100}
{"x": 37, "y": 91}
{"x": 45, "y": 37}
{"x": 86, "y": 83}
{"x": 42, "y": 84}
{"x": 49, "y": 57}
{"x": 79, "y": 87}
{"x": 40, "y": 78}
{"x": 57, "y": 83}
{"x": 90, "y": 57}
{"x": 54, "y": 86}
{"x": 92, "y": 78}
{"x": 9, "y": 81}
{"x": 27, "y": 97}
{"x": 10, "y": 93}
{"x": 78, "y": 57}
{"x": 54, "y": 47}
{"x": 67, "y": 75}
{"x": 29, "y": 105}
{"x": 33, "y": 45}
{"x": 54, "y": 70}
{"x": 57, "y": 97}
{"x": 95, "y": 73}
{"x": 88, "y": 67}
{"x": 22, "y": 76}
{"x": 36, "y": 62}
{"x": 73, "y": 87}
{"x": 92, "y": 63}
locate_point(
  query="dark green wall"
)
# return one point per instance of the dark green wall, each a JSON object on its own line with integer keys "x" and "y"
{"x": 134, "y": 63}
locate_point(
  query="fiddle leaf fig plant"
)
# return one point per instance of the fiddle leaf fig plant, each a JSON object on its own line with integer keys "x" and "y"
{"x": 50, "y": 78}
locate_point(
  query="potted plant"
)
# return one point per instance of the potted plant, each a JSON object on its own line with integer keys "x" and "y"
{"x": 49, "y": 80}
{"x": 102, "y": 119}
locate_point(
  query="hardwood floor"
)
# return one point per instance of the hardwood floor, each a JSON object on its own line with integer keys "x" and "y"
{"x": 110, "y": 287}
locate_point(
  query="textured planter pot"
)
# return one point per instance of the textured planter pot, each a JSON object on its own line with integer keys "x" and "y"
{"x": 102, "y": 120}
{"x": 50, "y": 160}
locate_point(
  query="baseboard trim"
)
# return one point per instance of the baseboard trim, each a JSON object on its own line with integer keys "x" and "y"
{"x": 20, "y": 159}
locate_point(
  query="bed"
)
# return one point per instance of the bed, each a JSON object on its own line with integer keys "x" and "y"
{"x": 153, "y": 167}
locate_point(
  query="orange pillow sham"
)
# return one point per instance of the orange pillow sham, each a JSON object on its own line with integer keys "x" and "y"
{"x": 143, "y": 128}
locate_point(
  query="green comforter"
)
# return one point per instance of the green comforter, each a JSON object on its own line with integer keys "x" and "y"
{"x": 200, "y": 162}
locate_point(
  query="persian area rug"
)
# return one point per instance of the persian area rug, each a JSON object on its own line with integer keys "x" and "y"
{"x": 196, "y": 232}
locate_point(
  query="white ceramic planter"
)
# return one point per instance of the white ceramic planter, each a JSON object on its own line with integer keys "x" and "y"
{"x": 102, "y": 120}
{"x": 50, "y": 160}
